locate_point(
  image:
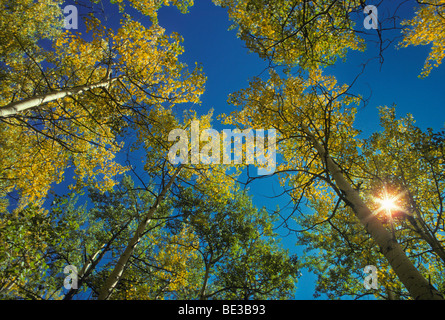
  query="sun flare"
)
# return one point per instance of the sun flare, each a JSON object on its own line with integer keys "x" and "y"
{"x": 387, "y": 203}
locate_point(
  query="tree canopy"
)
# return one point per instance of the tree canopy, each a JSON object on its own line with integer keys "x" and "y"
{"x": 89, "y": 119}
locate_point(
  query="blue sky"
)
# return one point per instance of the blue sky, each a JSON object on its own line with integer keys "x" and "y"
{"x": 229, "y": 66}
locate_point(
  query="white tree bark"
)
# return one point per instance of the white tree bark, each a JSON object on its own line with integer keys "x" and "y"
{"x": 16, "y": 107}
{"x": 116, "y": 274}
{"x": 418, "y": 287}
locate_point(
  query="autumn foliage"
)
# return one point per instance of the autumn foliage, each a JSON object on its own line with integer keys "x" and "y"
{"x": 85, "y": 177}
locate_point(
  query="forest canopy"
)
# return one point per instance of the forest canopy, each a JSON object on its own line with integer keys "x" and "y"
{"x": 120, "y": 179}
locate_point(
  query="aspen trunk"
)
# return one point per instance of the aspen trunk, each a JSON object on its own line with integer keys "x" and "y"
{"x": 415, "y": 283}
{"x": 202, "y": 295}
{"x": 116, "y": 274}
{"x": 85, "y": 271}
{"x": 92, "y": 262}
{"x": 14, "y": 108}
{"x": 422, "y": 229}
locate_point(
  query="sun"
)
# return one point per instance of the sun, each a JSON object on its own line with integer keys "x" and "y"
{"x": 387, "y": 203}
